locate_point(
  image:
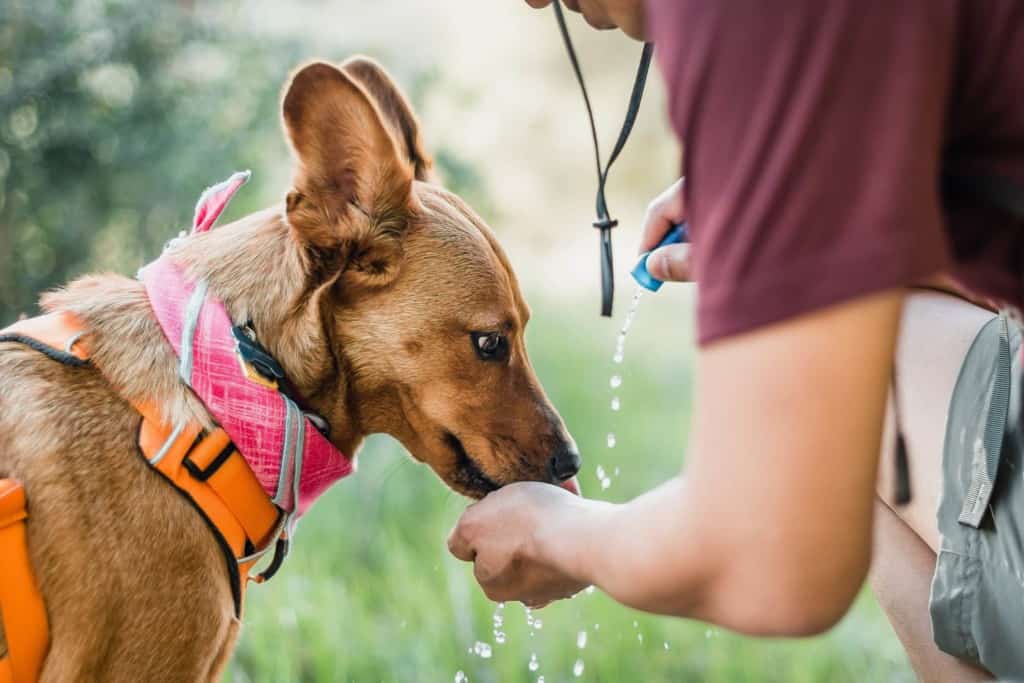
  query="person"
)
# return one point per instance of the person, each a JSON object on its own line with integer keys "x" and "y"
{"x": 837, "y": 153}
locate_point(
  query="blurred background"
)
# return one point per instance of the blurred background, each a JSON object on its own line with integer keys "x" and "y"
{"x": 115, "y": 114}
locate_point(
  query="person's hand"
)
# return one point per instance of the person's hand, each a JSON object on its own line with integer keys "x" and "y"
{"x": 671, "y": 263}
{"x": 512, "y": 538}
{"x": 627, "y": 15}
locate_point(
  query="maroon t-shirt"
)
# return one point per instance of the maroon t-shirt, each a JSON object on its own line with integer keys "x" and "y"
{"x": 816, "y": 134}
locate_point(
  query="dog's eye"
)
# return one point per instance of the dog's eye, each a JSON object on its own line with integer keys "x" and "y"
{"x": 490, "y": 345}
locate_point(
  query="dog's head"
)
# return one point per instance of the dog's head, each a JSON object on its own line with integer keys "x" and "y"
{"x": 419, "y": 305}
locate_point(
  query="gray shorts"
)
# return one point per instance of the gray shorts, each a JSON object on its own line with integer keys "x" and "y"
{"x": 977, "y": 598}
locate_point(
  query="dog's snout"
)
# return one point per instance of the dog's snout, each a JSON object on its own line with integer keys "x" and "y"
{"x": 566, "y": 462}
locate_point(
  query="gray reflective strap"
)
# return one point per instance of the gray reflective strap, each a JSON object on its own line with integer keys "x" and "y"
{"x": 188, "y": 330}
{"x": 983, "y": 478}
{"x": 286, "y": 452}
{"x": 300, "y": 444}
{"x": 167, "y": 445}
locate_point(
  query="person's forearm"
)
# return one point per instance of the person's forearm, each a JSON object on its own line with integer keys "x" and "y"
{"x": 658, "y": 554}
{"x": 634, "y": 551}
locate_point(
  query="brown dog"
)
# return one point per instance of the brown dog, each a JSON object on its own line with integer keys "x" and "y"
{"x": 391, "y": 307}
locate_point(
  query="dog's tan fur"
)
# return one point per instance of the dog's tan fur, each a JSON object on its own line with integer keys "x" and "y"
{"x": 365, "y": 284}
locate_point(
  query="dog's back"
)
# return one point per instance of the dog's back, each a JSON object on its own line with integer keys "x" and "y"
{"x": 106, "y": 531}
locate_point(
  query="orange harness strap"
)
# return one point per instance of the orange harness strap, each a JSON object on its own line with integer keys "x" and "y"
{"x": 24, "y": 614}
{"x": 211, "y": 473}
{"x": 204, "y": 467}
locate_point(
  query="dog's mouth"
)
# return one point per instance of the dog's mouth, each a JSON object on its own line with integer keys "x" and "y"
{"x": 473, "y": 481}
{"x": 468, "y": 474}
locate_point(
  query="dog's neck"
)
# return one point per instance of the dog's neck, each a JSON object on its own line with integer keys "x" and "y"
{"x": 256, "y": 268}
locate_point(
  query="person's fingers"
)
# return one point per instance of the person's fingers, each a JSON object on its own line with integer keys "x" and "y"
{"x": 666, "y": 210}
{"x": 537, "y": 4}
{"x": 459, "y": 545}
{"x": 671, "y": 263}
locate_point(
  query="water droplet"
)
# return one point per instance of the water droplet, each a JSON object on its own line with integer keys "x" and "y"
{"x": 616, "y": 403}
{"x": 499, "y": 637}
{"x": 616, "y": 472}
{"x": 577, "y": 668}
{"x": 482, "y": 649}
{"x": 540, "y": 679}
{"x": 599, "y": 471}
{"x": 618, "y": 357}
{"x": 597, "y": 627}
{"x": 501, "y": 605}
{"x": 605, "y": 483}
{"x": 615, "y": 381}
{"x": 665, "y": 644}
{"x": 498, "y": 620}
{"x": 538, "y": 623}
{"x": 581, "y": 639}
{"x": 611, "y": 440}
{"x": 708, "y": 633}
{"x": 635, "y": 625}
{"x": 640, "y": 637}
{"x": 460, "y": 677}
{"x": 589, "y": 590}
{"x": 534, "y": 664}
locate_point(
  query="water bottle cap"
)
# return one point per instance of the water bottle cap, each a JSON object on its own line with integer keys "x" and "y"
{"x": 643, "y": 277}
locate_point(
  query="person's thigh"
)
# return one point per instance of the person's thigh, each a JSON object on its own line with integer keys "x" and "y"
{"x": 936, "y": 332}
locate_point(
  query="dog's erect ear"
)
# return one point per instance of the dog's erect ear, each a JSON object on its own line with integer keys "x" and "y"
{"x": 395, "y": 108}
{"x": 353, "y": 188}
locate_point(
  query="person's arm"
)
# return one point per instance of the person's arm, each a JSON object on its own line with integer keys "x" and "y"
{"x": 769, "y": 530}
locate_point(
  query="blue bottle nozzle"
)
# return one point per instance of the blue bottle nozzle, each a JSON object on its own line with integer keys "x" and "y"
{"x": 679, "y": 233}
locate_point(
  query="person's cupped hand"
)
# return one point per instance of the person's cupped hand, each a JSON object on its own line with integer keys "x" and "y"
{"x": 512, "y": 538}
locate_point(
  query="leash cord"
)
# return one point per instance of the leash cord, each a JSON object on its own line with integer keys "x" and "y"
{"x": 604, "y": 222}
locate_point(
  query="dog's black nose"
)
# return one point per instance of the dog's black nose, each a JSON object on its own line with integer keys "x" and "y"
{"x": 565, "y": 463}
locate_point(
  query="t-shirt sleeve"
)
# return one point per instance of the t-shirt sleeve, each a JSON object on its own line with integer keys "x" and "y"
{"x": 812, "y": 133}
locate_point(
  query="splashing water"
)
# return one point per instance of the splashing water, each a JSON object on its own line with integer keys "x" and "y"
{"x": 620, "y": 342}
{"x": 461, "y": 677}
{"x": 482, "y": 649}
{"x": 499, "y": 621}
{"x": 577, "y": 668}
{"x": 534, "y": 664}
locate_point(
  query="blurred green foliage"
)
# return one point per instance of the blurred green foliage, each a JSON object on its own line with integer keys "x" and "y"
{"x": 113, "y": 117}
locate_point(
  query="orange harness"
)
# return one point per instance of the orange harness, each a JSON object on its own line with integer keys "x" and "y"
{"x": 203, "y": 466}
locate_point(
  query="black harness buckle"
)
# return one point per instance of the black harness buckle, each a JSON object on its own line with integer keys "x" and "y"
{"x": 257, "y": 363}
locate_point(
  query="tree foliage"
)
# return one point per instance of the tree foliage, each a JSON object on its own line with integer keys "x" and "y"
{"x": 113, "y": 117}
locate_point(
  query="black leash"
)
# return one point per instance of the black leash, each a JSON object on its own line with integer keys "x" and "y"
{"x": 604, "y": 222}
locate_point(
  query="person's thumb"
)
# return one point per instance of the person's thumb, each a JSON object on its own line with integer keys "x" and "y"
{"x": 671, "y": 263}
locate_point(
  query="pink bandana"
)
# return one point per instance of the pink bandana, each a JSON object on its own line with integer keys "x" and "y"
{"x": 289, "y": 456}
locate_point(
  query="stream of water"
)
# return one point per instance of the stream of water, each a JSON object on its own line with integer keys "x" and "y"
{"x": 604, "y": 477}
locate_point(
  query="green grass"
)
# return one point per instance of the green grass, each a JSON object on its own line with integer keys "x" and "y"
{"x": 370, "y": 593}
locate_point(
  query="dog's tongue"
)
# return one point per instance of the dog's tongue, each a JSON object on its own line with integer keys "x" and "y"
{"x": 571, "y": 485}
